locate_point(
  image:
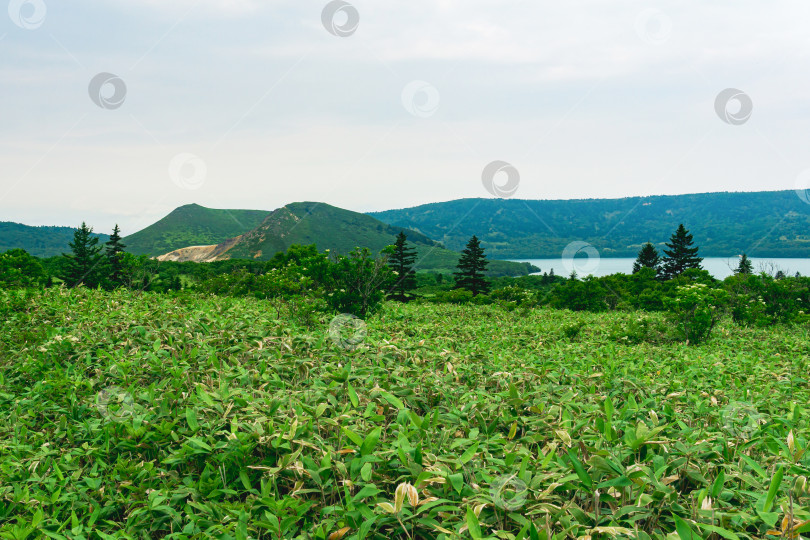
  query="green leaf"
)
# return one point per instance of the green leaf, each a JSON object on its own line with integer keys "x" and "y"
{"x": 457, "y": 481}
{"x": 370, "y": 441}
{"x": 365, "y": 472}
{"x": 580, "y": 470}
{"x": 368, "y": 491}
{"x": 354, "y": 437}
{"x": 353, "y": 396}
{"x": 717, "y": 487}
{"x": 392, "y": 399}
{"x": 468, "y": 454}
{"x": 472, "y": 524}
{"x": 773, "y": 490}
{"x": 685, "y": 532}
{"x": 191, "y": 418}
{"x": 719, "y": 530}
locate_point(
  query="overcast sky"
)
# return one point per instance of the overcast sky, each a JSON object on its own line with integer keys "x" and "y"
{"x": 258, "y": 103}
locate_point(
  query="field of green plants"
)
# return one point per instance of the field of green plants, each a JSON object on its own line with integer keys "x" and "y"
{"x": 139, "y": 415}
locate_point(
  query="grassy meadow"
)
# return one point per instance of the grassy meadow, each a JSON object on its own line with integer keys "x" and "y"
{"x": 140, "y": 415}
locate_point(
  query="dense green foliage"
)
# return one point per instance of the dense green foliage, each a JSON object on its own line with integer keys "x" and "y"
{"x": 765, "y": 224}
{"x": 355, "y": 284}
{"x": 137, "y": 415}
{"x": 192, "y": 225}
{"x": 19, "y": 269}
{"x": 37, "y": 241}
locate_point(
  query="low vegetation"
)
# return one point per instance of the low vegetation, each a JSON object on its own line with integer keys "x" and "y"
{"x": 142, "y": 415}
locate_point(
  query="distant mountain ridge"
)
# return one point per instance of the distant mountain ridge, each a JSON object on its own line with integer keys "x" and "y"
{"x": 39, "y": 241}
{"x": 761, "y": 224}
{"x": 328, "y": 227}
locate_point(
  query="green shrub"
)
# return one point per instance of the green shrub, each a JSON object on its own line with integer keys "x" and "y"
{"x": 571, "y": 331}
{"x": 695, "y": 311}
{"x": 637, "y": 330}
{"x": 764, "y": 301}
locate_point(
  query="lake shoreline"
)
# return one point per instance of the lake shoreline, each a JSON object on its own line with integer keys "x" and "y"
{"x": 719, "y": 267}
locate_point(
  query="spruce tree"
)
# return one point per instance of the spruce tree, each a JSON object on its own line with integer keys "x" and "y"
{"x": 681, "y": 255}
{"x": 115, "y": 253}
{"x": 401, "y": 263}
{"x": 647, "y": 258}
{"x": 471, "y": 267}
{"x": 83, "y": 263}
{"x": 745, "y": 266}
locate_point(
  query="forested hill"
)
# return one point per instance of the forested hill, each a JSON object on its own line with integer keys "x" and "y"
{"x": 763, "y": 224}
{"x": 192, "y": 225}
{"x": 45, "y": 241}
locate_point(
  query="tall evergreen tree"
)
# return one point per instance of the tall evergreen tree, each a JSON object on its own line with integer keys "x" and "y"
{"x": 401, "y": 262}
{"x": 681, "y": 255}
{"x": 471, "y": 267}
{"x": 115, "y": 253}
{"x": 745, "y": 266}
{"x": 83, "y": 262}
{"x": 647, "y": 258}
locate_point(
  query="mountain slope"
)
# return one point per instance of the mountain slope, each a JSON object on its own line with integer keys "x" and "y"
{"x": 764, "y": 224}
{"x": 331, "y": 228}
{"x": 192, "y": 225}
{"x": 38, "y": 241}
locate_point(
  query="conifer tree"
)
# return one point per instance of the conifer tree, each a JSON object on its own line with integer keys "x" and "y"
{"x": 681, "y": 255}
{"x": 401, "y": 263}
{"x": 647, "y": 258}
{"x": 115, "y": 253}
{"x": 471, "y": 267}
{"x": 745, "y": 266}
{"x": 83, "y": 263}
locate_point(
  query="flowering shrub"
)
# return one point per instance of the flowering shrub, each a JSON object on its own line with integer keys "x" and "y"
{"x": 763, "y": 301}
{"x": 695, "y": 310}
